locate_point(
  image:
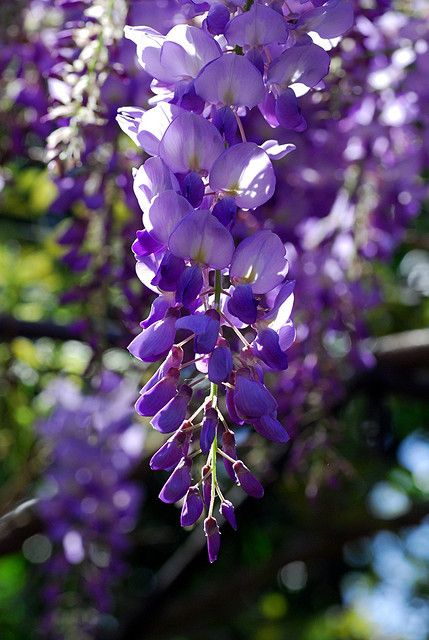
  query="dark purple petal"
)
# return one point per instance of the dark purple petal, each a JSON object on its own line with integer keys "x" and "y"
{"x": 227, "y": 510}
{"x": 145, "y": 245}
{"x": 288, "y": 111}
{"x": 189, "y": 285}
{"x": 178, "y": 483}
{"x": 212, "y": 532}
{"x": 173, "y": 361}
{"x": 169, "y": 272}
{"x": 225, "y": 121}
{"x": 193, "y": 189}
{"x": 192, "y": 508}
{"x": 170, "y": 417}
{"x": 230, "y": 405}
{"x": 266, "y": 346}
{"x": 155, "y": 398}
{"x": 208, "y": 430}
{"x": 220, "y": 364}
{"x": 170, "y": 454}
{"x": 228, "y": 447}
{"x": 247, "y": 481}
{"x": 252, "y": 399}
{"x": 206, "y": 329}
{"x": 270, "y": 428}
{"x": 225, "y": 211}
{"x": 156, "y": 341}
{"x": 206, "y": 485}
{"x": 242, "y": 304}
{"x": 217, "y": 19}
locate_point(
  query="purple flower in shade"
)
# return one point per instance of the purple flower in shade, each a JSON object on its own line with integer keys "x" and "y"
{"x": 167, "y": 209}
{"x": 260, "y": 261}
{"x": 228, "y": 447}
{"x": 259, "y": 26}
{"x": 208, "y": 429}
{"x": 192, "y": 507}
{"x": 212, "y": 532}
{"x": 145, "y": 245}
{"x": 202, "y": 238}
{"x": 172, "y": 361}
{"x": 245, "y": 173}
{"x": 217, "y": 19}
{"x": 288, "y": 111}
{"x": 220, "y": 363}
{"x": 189, "y": 285}
{"x": 304, "y": 64}
{"x": 227, "y": 510}
{"x": 247, "y": 481}
{"x": 242, "y": 304}
{"x": 169, "y": 271}
{"x": 178, "y": 483}
{"x": 266, "y": 346}
{"x": 173, "y": 414}
{"x": 231, "y": 80}
{"x": 206, "y": 482}
{"x": 252, "y": 399}
{"x": 191, "y": 143}
{"x": 171, "y": 452}
{"x": 156, "y": 341}
{"x": 155, "y": 398}
{"x": 225, "y": 211}
{"x": 193, "y": 188}
{"x": 269, "y": 427}
{"x": 205, "y": 326}
{"x": 226, "y": 123}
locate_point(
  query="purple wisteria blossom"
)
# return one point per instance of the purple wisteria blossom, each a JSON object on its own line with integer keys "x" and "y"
{"x": 224, "y": 298}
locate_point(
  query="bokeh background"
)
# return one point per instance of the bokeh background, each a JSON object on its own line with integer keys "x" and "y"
{"x": 339, "y": 547}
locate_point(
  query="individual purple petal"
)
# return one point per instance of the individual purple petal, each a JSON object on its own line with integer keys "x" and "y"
{"x": 173, "y": 361}
{"x": 288, "y": 112}
{"x": 227, "y": 510}
{"x": 252, "y": 399}
{"x": 217, "y": 19}
{"x": 170, "y": 454}
{"x": 192, "y": 508}
{"x": 149, "y": 43}
{"x": 277, "y": 151}
{"x": 220, "y": 364}
{"x": 178, "y": 483}
{"x": 225, "y": 211}
{"x": 144, "y": 245}
{"x": 155, "y": 398}
{"x": 186, "y": 50}
{"x": 186, "y": 97}
{"x": 331, "y": 20}
{"x": 287, "y": 335}
{"x": 191, "y": 143}
{"x": 208, "y": 429}
{"x": 266, "y": 347}
{"x": 152, "y": 178}
{"x": 258, "y": 26}
{"x": 268, "y": 109}
{"x": 231, "y": 80}
{"x": 170, "y": 417}
{"x": 128, "y": 118}
{"x": 166, "y": 211}
{"x": 193, "y": 189}
{"x": 189, "y": 286}
{"x": 255, "y": 57}
{"x": 153, "y": 124}
{"x": 156, "y": 341}
{"x": 225, "y": 121}
{"x": 242, "y": 304}
{"x": 229, "y": 399}
{"x": 205, "y": 326}
{"x": 206, "y": 478}
{"x": 280, "y": 302}
{"x": 304, "y": 63}
{"x": 158, "y": 310}
{"x": 201, "y": 237}
{"x": 259, "y": 260}
{"x": 212, "y": 532}
{"x": 245, "y": 173}
{"x": 228, "y": 446}
{"x": 270, "y": 428}
{"x": 247, "y": 481}
{"x": 169, "y": 272}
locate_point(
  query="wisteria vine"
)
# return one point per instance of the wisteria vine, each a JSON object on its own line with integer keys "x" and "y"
{"x": 229, "y": 306}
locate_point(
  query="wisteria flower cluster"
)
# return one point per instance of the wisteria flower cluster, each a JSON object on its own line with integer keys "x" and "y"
{"x": 233, "y": 302}
{"x": 87, "y": 502}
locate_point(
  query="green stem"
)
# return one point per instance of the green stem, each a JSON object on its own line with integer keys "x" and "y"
{"x": 218, "y": 288}
{"x": 213, "y": 452}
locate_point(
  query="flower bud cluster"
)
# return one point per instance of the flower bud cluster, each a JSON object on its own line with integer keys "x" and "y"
{"x": 222, "y": 316}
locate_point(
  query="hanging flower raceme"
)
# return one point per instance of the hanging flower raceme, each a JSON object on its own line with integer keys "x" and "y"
{"x": 222, "y": 316}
